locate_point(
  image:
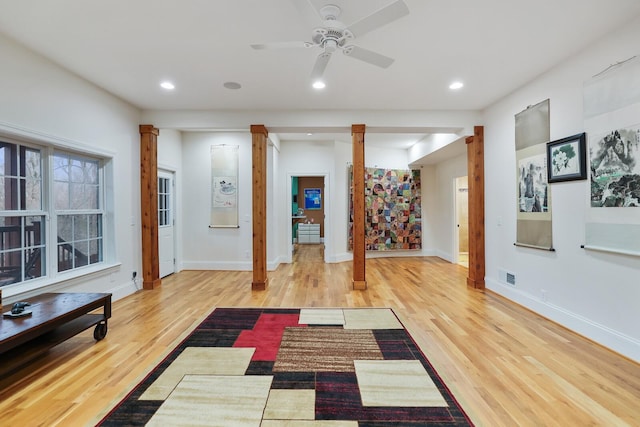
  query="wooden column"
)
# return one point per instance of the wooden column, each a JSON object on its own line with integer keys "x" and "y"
{"x": 259, "y": 135}
{"x": 359, "y": 276}
{"x": 149, "y": 206}
{"x": 475, "y": 170}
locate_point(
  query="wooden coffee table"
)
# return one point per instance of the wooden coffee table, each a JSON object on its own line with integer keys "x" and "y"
{"x": 55, "y": 318}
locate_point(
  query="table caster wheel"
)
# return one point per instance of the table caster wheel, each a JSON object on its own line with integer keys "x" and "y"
{"x": 100, "y": 331}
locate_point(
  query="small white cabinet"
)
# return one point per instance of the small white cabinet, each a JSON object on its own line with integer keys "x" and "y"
{"x": 308, "y": 233}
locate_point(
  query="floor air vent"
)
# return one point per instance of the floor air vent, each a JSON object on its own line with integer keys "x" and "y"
{"x": 507, "y": 277}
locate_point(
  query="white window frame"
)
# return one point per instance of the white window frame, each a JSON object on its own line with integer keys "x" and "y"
{"x": 52, "y": 280}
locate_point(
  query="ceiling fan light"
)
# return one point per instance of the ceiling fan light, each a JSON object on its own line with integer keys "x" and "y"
{"x": 319, "y": 84}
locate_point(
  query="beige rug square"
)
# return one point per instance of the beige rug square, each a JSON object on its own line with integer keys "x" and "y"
{"x": 321, "y": 316}
{"x": 199, "y": 361}
{"x": 370, "y": 318}
{"x": 403, "y": 383}
{"x": 216, "y": 401}
{"x": 290, "y": 405}
{"x": 301, "y": 423}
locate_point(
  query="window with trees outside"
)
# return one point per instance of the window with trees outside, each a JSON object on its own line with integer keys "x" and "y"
{"x": 51, "y": 212}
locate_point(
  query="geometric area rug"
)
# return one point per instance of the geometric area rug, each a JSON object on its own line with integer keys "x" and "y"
{"x": 313, "y": 367}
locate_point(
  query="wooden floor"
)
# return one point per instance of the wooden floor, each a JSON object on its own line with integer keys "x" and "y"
{"x": 506, "y": 365}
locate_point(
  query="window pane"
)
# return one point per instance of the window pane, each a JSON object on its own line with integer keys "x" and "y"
{"x": 22, "y": 246}
{"x": 77, "y": 187}
{"x": 95, "y": 226}
{"x": 76, "y": 197}
{"x": 11, "y": 262}
{"x": 65, "y": 228}
{"x": 77, "y": 170}
{"x": 31, "y": 160}
{"x": 8, "y": 194}
{"x": 34, "y": 231}
{"x": 61, "y": 195}
{"x": 8, "y": 159}
{"x": 81, "y": 254}
{"x": 91, "y": 172}
{"x": 95, "y": 251}
{"x": 34, "y": 265}
{"x": 10, "y": 234}
{"x": 65, "y": 256}
{"x": 80, "y": 228}
{"x": 92, "y": 193}
{"x": 33, "y": 195}
{"x": 60, "y": 168}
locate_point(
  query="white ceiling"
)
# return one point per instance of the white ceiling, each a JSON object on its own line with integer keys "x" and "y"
{"x": 128, "y": 46}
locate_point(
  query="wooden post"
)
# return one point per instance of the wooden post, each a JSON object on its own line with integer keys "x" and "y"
{"x": 259, "y": 135}
{"x": 359, "y": 276}
{"x": 149, "y": 206}
{"x": 475, "y": 170}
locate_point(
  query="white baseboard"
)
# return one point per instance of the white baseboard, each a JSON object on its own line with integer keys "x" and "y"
{"x": 444, "y": 255}
{"x": 213, "y": 265}
{"x": 123, "y": 290}
{"x": 273, "y": 265}
{"x": 341, "y": 257}
{"x": 230, "y": 265}
{"x": 603, "y": 335}
{"x": 348, "y": 256}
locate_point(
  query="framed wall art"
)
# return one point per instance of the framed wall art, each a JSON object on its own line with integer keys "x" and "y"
{"x": 312, "y": 198}
{"x": 567, "y": 159}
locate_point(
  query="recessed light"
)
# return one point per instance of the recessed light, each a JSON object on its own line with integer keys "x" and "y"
{"x": 319, "y": 84}
{"x": 456, "y": 85}
{"x": 309, "y": 134}
{"x": 167, "y": 85}
{"x": 232, "y": 85}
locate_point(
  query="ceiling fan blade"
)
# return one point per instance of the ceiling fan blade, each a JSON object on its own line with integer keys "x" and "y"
{"x": 387, "y": 14}
{"x": 320, "y": 65}
{"x": 368, "y": 56}
{"x": 281, "y": 45}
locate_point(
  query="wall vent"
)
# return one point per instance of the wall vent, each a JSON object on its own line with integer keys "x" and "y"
{"x": 507, "y": 277}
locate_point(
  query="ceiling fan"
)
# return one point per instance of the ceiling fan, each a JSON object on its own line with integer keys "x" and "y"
{"x": 333, "y": 35}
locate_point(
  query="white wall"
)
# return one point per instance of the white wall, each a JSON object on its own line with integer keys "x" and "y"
{"x": 445, "y": 216}
{"x": 207, "y": 248}
{"x": 275, "y": 196}
{"x": 309, "y": 158}
{"x": 595, "y": 294}
{"x": 43, "y": 103}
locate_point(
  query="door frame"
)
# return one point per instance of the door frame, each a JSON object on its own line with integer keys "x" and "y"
{"x": 327, "y": 209}
{"x": 456, "y": 212}
{"x": 174, "y": 215}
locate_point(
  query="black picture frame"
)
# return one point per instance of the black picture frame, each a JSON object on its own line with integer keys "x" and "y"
{"x": 567, "y": 159}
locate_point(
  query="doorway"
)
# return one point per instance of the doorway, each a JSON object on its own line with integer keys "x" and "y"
{"x": 166, "y": 223}
{"x": 308, "y": 220}
{"x": 461, "y": 232}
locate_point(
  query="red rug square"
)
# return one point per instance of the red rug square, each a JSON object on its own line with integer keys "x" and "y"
{"x": 266, "y": 335}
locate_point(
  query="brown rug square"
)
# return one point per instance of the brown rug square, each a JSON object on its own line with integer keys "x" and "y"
{"x": 325, "y": 349}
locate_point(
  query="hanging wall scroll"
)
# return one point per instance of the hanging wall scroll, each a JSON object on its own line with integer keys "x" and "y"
{"x": 224, "y": 186}
{"x": 534, "y": 203}
{"x": 612, "y": 123}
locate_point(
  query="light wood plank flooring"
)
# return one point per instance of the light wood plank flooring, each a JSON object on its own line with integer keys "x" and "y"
{"x": 506, "y": 365}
